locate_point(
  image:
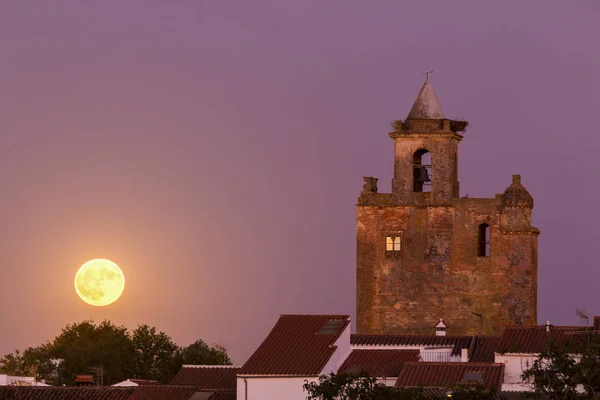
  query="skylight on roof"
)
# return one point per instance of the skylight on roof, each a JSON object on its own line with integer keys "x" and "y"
{"x": 330, "y": 327}
{"x": 473, "y": 376}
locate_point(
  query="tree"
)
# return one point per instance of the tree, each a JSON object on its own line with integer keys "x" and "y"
{"x": 472, "y": 392}
{"x": 13, "y": 364}
{"x": 589, "y": 366}
{"x": 361, "y": 386}
{"x": 155, "y": 354}
{"x": 34, "y": 361}
{"x": 110, "y": 353}
{"x": 569, "y": 370}
{"x": 105, "y": 351}
{"x": 199, "y": 353}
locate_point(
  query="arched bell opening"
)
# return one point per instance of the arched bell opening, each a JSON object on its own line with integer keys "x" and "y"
{"x": 422, "y": 171}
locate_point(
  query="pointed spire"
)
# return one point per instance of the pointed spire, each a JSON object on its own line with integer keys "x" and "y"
{"x": 426, "y": 105}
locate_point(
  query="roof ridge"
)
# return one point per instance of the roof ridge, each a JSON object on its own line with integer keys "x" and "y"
{"x": 462, "y": 363}
{"x": 426, "y": 336}
{"x": 374, "y": 350}
{"x": 163, "y": 386}
{"x": 316, "y": 315}
{"x": 208, "y": 366}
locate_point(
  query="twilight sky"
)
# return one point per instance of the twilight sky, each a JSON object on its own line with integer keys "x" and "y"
{"x": 215, "y": 149}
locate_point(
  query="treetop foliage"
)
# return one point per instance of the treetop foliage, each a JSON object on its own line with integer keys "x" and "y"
{"x": 111, "y": 353}
{"x": 361, "y": 386}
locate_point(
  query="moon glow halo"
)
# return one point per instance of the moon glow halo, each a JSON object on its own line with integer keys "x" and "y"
{"x": 99, "y": 282}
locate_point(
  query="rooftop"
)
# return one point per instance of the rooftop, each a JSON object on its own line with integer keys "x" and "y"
{"x": 297, "y": 345}
{"x": 535, "y": 339}
{"x": 378, "y": 363}
{"x": 207, "y": 377}
{"x": 66, "y": 393}
{"x": 482, "y": 348}
{"x": 415, "y": 374}
{"x": 162, "y": 392}
{"x": 458, "y": 342}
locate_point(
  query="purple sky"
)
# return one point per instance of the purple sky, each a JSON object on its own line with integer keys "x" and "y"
{"x": 215, "y": 149}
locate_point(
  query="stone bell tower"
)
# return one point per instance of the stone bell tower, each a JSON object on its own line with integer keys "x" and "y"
{"x": 425, "y": 254}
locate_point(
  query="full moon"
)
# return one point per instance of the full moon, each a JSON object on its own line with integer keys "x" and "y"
{"x": 99, "y": 282}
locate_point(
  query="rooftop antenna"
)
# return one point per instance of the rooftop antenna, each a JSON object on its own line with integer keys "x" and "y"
{"x": 480, "y": 321}
{"x": 583, "y": 315}
{"x": 426, "y": 73}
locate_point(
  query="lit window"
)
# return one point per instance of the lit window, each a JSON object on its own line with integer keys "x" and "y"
{"x": 393, "y": 243}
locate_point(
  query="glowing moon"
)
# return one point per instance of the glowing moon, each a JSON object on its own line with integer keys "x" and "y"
{"x": 99, "y": 282}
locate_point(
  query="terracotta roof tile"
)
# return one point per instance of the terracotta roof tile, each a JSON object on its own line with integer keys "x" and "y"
{"x": 378, "y": 363}
{"x": 207, "y": 377}
{"x": 64, "y": 393}
{"x": 534, "y": 339}
{"x": 459, "y": 342}
{"x": 415, "y": 374}
{"x": 143, "y": 382}
{"x": 84, "y": 378}
{"x": 482, "y": 349}
{"x": 163, "y": 392}
{"x": 224, "y": 395}
{"x": 297, "y": 345}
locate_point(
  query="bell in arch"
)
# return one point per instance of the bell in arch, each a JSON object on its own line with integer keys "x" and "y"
{"x": 421, "y": 175}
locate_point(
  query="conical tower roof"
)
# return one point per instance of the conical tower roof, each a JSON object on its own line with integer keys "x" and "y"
{"x": 426, "y": 105}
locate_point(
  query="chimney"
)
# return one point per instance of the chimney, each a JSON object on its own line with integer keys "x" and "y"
{"x": 464, "y": 355}
{"x": 440, "y": 328}
{"x": 547, "y": 326}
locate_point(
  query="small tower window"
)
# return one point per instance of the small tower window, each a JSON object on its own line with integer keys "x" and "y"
{"x": 484, "y": 240}
{"x": 393, "y": 243}
{"x": 422, "y": 171}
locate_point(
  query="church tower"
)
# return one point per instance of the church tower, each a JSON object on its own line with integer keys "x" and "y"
{"x": 424, "y": 253}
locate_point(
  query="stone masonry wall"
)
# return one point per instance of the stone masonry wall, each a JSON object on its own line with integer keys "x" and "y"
{"x": 438, "y": 273}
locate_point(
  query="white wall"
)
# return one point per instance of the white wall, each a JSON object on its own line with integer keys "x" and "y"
{"x": 8, "y": 379}
{"x": 439, "y": 354}
{"x": 274, "y": 388}
{"x": 514, "y": 365}
{"x": 391, "y": 381}
{"x": 427, "y": 353}
{"x": 341, "y": 353}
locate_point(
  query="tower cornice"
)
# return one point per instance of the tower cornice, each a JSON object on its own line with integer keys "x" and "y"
{"x": 428, "y": 135}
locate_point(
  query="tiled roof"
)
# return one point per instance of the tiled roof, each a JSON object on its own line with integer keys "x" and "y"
{"x": 143, "y": 382}
{"x": 440, "y": 393}
{"x": 163, "y": 392}
{"x": 415, "y": 374}
{"x": 84, "y": 378}
{"x": 378, "y": 363}
{"x": 296, "y": 346}
{"x": 482, "y": 348}
{"x": 64, "y": 393}
{"x": 207, "y": 377}
{"x": 224, "y": 395}
{"x": 534, "y": 339}
{"x": 459, "y": 342}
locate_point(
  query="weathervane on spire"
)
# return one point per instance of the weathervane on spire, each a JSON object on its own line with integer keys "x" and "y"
{"x": 427, "y": 75}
